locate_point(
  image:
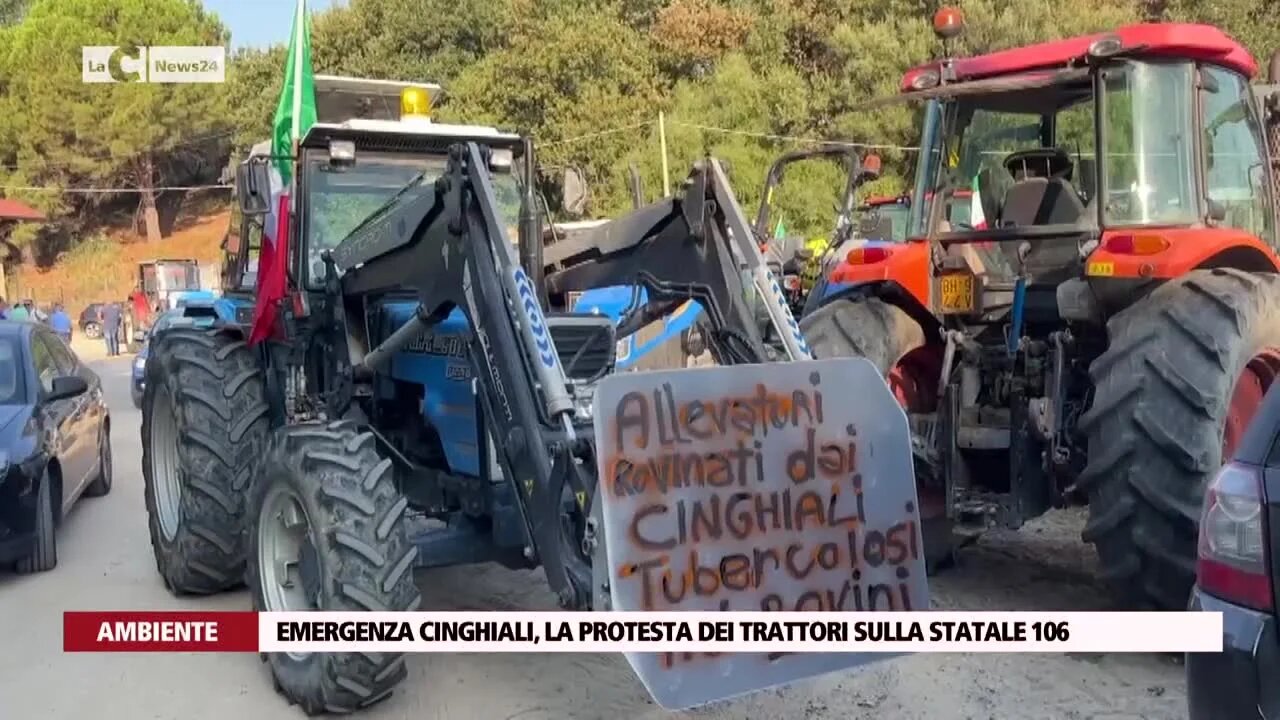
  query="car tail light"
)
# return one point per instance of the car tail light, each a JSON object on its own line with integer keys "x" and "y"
{"x": 1135, "y": 244}
{"x": 866, "y": 255}
{"x": 1233, "y": 562}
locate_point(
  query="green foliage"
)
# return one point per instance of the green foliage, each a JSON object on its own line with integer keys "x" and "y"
{"x": 587, "y": 79}
{"x": 566, "y": 77}
{"x": 61, "y": 131}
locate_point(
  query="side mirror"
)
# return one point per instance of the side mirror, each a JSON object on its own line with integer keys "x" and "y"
{"x": 68, "y": 386}
{"x": 575, "y": 192}
{"x": 253, "y": 188}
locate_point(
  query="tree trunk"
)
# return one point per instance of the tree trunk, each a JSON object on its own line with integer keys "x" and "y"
{"x": 149, "y": 212}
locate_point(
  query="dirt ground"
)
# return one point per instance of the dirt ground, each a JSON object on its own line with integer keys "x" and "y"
{"x": 105, "y": 562}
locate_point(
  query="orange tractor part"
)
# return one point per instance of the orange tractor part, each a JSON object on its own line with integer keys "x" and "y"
{"x": 1103, "y": 326}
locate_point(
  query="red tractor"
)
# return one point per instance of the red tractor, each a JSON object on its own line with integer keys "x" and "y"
{"x": 1105, "y": 326}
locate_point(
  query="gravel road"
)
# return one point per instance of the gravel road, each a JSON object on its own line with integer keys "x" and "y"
{"x": 105, "y": 562}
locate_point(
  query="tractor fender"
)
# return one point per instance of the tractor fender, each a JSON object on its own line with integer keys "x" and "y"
{"x": 905, "y": 264}
{"x": 889, "y": 291}
{"x": 1174, "y": 252}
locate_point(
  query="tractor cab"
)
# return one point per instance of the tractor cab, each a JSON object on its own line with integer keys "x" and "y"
{"x": 164, "y": 281}
{"x": 1096, "y": 324}
{"x": 1136, "y": 154}
{"x": 358, "y": 173}
{"x": 884, "y": 218}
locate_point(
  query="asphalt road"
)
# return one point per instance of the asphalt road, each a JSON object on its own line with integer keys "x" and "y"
{"x": 105, "y": 563}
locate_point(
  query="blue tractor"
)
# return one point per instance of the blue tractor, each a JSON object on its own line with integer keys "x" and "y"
{"x": 417, "y": 374}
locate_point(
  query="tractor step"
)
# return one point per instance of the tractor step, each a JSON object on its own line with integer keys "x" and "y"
{"x": 982, "y": 437}
{"x": 464, "y": 541}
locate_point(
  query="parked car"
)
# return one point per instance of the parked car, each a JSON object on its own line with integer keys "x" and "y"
{"x": 89, "y": 324}
{"x": 55, "y": 440}
{"x": 1239, "y": 541}
{"x": 163, "y": 321}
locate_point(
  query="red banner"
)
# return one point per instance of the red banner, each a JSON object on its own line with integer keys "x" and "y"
{"x": 160, "y": 632}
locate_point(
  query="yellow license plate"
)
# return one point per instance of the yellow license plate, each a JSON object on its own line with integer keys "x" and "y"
{"x": 957, "y": 293}
{"x": 1101, "y": 269}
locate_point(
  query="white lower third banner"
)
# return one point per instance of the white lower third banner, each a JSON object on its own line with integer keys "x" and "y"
{"x": 741, "y": 632}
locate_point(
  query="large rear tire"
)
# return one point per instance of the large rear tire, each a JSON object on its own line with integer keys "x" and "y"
{"x": 204, "y": 424}
{"x": 895, "y": 343}
{"x": 1163, "y": 402}
{"x": 327, "y": 533}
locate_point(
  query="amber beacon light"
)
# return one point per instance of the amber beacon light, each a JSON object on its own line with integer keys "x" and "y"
{"x": 415, "y": 102}
{"x": 948, "y": 22}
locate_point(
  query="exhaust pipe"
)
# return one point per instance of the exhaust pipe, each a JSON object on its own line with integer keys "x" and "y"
{"x": 531, "y": 225}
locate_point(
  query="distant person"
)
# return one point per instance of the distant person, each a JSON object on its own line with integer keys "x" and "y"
{"x": 109, "y": 318}
{"x": 4, "y": 309}
{"x": 141, "y": 308}
{"x": 19, "y": 312}
{"x": 35, "y": 311}
{"x": 60, "y": 323}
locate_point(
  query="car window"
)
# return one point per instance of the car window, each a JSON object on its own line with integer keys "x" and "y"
{"x": 42, "y": 358}
{"x": 11, "y": 374}
{"x": 62, "y": 355}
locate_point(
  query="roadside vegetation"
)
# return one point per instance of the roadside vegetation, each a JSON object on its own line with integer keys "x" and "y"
{"x": 742, "y": 79}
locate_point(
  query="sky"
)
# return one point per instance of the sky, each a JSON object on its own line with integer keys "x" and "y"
{"x": 259, "y": 23}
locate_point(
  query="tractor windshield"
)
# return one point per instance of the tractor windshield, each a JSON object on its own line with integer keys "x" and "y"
{"x": 339, "y": 200}
{"x": 1025, "y": 155}
{"x": 884, "y": 220}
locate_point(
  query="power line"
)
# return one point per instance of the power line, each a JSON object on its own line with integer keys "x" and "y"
{"x": 728, "y": 131}
{"x": 602, "y": 133}
{"x": 792, "y": 138}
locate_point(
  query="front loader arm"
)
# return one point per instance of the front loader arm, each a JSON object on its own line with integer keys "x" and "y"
{"x": 458, "y": 255}
{"x": 693, "y": 246}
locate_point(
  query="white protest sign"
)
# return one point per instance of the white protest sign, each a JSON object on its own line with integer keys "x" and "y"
{"x": 786, "y": 486}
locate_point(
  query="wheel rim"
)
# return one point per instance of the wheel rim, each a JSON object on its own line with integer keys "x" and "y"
{"x": 288, "y": 566}
{"x": 164, "y": 465}
{"x": 1246, "y": 397}
{"x": 287, "y": 562}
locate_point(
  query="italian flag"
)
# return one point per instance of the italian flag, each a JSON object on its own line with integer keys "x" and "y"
{"x": 295, "y": 114}
{"x": 977, "y": 220}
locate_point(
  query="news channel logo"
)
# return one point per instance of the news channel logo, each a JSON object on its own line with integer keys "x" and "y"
{"x": 154, "y": 64}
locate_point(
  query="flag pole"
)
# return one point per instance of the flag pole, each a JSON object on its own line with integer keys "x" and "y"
{"x": 300, "y": 20}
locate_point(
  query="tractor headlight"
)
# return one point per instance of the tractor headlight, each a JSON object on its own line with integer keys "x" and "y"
{"x": 342, "y": 153}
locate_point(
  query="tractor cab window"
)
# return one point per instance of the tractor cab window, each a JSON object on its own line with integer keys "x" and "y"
{"x": 1148, "y": 136}
{"x": 1015, "y": 157}
{"x": 340, "y": 200}
{"x": 1235, "y": 170}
